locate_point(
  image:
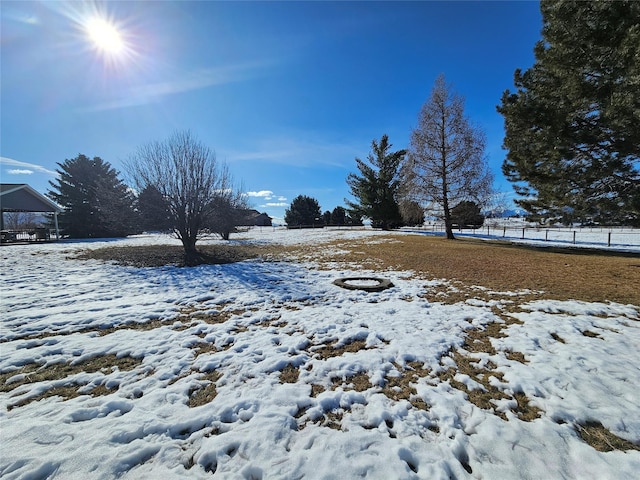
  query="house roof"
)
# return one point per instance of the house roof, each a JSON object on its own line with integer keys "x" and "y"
{"x": 20, "y": 197}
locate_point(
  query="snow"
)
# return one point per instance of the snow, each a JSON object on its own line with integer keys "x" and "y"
{"x": 58, "y": 309}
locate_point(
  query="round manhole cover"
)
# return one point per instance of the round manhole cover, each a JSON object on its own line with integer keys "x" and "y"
{"x": 368, "y": 284}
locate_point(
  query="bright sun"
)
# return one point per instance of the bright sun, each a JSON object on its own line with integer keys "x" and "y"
{"x": 105, "y": 36}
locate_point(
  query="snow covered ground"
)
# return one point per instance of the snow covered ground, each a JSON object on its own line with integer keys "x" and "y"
{"x": 268, "y": 370}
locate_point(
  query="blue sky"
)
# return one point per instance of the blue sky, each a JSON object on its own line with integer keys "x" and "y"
{"x": 288, "y": 94}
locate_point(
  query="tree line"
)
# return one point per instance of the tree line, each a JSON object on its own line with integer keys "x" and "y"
{"x": 572, "y": 137}
{"x": 444, "y": 170}
{"x": 180, "y": 186}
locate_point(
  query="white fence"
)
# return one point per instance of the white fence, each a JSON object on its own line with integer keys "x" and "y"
{"x": 588, "y": 236}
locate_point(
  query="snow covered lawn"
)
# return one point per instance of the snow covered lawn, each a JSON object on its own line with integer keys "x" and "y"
{"x": 268, "y": 370}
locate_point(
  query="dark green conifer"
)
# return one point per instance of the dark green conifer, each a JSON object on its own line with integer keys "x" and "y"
{"x": 573, "y": 124}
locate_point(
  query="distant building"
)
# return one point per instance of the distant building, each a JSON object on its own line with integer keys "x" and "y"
{"x": 251, "y": 218}
{"x": 20, "y": 197}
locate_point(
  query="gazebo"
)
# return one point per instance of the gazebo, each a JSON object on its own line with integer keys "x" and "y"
{"x": 20, "y": 197}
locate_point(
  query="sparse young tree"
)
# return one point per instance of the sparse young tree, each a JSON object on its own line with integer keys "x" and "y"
{"x": 230, "y": 208}
{"x": 190, "y": 179}
{"x": 446, "y": 162}
{"x": 20, "y": 220}
{"x": 572, "y": 128}
{"x": 304, "y": 211}
{"x": 376, "y": 188}
{"x": 412, "y": 213}
{"x": 96, "y": 202}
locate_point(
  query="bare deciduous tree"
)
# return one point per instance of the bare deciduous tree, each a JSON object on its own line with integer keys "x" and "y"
{"x": 446, "y": 162}
{"x": 191, "y": 180}
{"x": 20, "y": 220}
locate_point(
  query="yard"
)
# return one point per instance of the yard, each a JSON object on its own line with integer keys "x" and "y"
{"x": 482, "y": 361}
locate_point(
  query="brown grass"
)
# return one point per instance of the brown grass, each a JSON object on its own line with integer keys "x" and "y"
{"x": 328, "y": 351}
{"x": 206, "y": 393}
{"x": 561, "y": 274}
{"x": 580, "y": 274}
{"x": 289, "y": 374}
{"x": 221, "y": 314}
{"x": 358, "y": 382}
{"x": 34, "y": 372}
{"x": 600, "y": 438}
{"x": 478, "y": 340}
{"x": 137, "y": 326}
{"x": 161, "y": 255}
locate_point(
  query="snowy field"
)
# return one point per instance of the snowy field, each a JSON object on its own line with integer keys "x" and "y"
{"x": 266, "y": 370}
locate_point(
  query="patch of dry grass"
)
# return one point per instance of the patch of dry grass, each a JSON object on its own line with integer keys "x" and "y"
{"x": 580, "y": 274}
{"x": 210, "y": 316}
{"x": 600, "y": 438}
{"x": 206, "y": 392}
{"x": 289, "y": 374}
{"x": 478, "y": 340}
{"x": 358, "y": 382}
{"x": 328, "y": 351}
{"x": 401, "y": 385}
{"x": 560, "y": 273}
{"x": 34, "y": 372}
{"x": 161, "y": 255}
{"x": 137, "y": 326}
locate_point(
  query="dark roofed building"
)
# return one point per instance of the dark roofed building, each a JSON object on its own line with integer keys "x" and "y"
{"x": 251, "y": 218}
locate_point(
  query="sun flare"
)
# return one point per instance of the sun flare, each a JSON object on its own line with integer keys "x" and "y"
{"x": 105, "y": 36}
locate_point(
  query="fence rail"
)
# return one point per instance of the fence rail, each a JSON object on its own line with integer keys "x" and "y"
{"x": 610, "y": 237}
{"x": 31, "y": 235}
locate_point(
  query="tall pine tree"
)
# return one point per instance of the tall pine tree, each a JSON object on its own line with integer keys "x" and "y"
{"x": 377, "y": 186}
{"x": 96, "y": 202}
{"x": 573, "y": 125}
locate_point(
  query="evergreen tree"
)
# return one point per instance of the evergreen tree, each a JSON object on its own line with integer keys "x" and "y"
{"x": 353, "y": 219}
{"x": 467, "y": 214}
{"x": 446, "y": 161}
{"x": 326, "y": 217}
{"x": 153, "y": 210}
{"x": 96, "y": 202}
{"x": 114, "y": 202}
{"x": 304, "y": 211}
{"x": 338, "y": 216}
{"x": 377, "y": 187}
{"x": 573, "y": 125}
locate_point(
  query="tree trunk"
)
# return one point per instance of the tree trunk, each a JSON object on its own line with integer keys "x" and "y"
{"x": 445, "y": 185}
{"x": 447, "y": 219}
{"x": 191, "y": 255}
